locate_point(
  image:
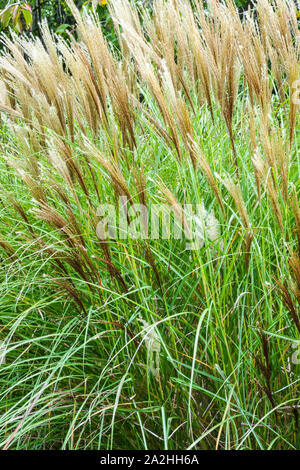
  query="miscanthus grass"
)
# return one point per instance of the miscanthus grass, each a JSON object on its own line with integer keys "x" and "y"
{"x": 133, "y": 343}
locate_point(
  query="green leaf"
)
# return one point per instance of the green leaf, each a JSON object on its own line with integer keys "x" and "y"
{"x": 5, "y": 17}
{"x": 62, "y": 28}
{"x": 27, "y": 16}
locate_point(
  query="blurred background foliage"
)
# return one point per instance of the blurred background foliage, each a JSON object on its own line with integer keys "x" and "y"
{"x": 24, "y": 16}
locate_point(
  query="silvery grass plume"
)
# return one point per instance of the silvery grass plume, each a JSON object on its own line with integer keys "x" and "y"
{"x": 153, "y": 345}
{"x": 206, "y": 227}
{"x": 2, "y": 352}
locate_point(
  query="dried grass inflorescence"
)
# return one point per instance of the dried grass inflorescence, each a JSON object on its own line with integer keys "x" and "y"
{"x": 75, "y": 109}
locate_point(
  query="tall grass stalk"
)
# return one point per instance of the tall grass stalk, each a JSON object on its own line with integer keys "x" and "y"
{"x": 132, "y": 343}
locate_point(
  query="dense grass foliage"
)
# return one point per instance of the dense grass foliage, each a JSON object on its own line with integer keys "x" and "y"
{"x": 144, "y": 343}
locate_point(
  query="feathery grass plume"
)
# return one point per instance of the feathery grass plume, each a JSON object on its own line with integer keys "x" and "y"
{"x": 60, "y": 165}
{"x": 121, "y": 189}
{"x": 66, "y": 152}
{"x": 204, "y": 165}
{"x": 143, "y": 55}
{"x": 280, "y": 26}
{"x": 206, "y": 226}
{"x": 202, "y": 72}
{"x": 37, "y": 191}
{"x": 153, "y": 346}
{"x": 30, "y": 97}
{"x": 4, "y": 98}
{"x": 50, "y": 87}
{"x": 252, "y": 131}
{"x": 235, "y": 191}
{"x": 267, "y": 146}
{"x": 43, "y": 77}
{"x": 69, "y": 288}
{"x": 7, "y": 247}
{"x": 72, "y": 232}
{"x": 111, "y": 168}
{"x": 264, "y": 172}
{"x": 177, "y": 208}
{"x": 148, "y": 75}
{"x": 51, "y": 216}
{"x": 177, "y": 39}
{"x": 66, "y": 92}
{"x": 255, "y": 63}
{"x": 90, "y": 92}
{"x": 105, "y": 75}
{"x": 179, "y": 109}
{"x": 10, "y": 112}
{"x": 257, "y": 176}
{"x": 63, "y": 260}
{"x": 277, "y": 151}
{"x": 168, "y": 38}
{"x": 22, "y": 137}
{"x": 219, "y": 35}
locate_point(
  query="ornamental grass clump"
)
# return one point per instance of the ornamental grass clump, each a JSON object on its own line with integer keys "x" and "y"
{"x": 115, "y": 338}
